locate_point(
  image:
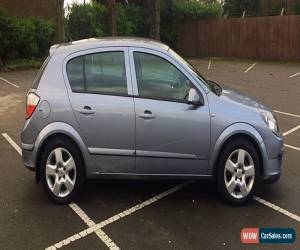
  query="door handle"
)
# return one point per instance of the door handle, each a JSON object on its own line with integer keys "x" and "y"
{"x": 87, "y": 110}
{"x": 147, "y": 115}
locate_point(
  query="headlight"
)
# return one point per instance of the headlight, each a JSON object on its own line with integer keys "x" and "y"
{"x": 271, "y": 121}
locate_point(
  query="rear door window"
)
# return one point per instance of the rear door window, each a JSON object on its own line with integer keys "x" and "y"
{"x": 102, "y": 73}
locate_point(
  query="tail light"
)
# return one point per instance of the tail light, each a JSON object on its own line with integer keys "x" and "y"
{"x": 32, "y": 101}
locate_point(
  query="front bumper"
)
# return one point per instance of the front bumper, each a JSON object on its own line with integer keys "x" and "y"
{"x": 273, "y": 166}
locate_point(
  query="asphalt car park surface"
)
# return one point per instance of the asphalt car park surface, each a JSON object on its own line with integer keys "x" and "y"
{"x": 144, "y": 214}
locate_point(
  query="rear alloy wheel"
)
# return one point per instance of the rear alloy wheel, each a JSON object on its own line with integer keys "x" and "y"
{"x": 62, "y": 170}
{"x": 238, "y": 171}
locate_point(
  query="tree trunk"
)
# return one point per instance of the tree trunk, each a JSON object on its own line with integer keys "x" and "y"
{"x": 112, "y": 20}
{"x": 60, "y": 21}
{"x": 154, "y": 22}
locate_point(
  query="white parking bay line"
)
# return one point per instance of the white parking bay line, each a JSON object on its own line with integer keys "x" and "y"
{"x": 277, "y": 208}
{"x": 285, "y": 113}
{"x": 209, "y": 64}
{"x": 82, "y": 214}
{"x": 97, "y": 227}
{"x": 291, "y": 130}
{"x": 10, "y": 83}
{"x": 292, "y": 147}
{"x": 100, "y": 233}
{"x": 12, "y": 143}
{"x": 250, "y": 67}
{"x": 297, "y": 74}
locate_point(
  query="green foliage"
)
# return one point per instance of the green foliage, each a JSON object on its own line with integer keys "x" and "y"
{"x": 173, "y": 12}
{"x": 296, "y": 7}
{"x": 28, "y": 37}
{"x": 131, "y": 21}
{"x": 84, "y": 21}
{"x": 236, "y": 7}
{"x": 24, "y": 37}
{"x": 91, "y": 20}
{"x": 21, "y": 64}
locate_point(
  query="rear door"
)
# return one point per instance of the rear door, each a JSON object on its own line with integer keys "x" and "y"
{"x": 101, "y": 97}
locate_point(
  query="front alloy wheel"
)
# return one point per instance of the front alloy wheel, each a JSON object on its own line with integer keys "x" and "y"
{"x": 238, "y": 171}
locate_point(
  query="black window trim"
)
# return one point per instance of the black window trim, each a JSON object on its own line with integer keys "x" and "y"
{"x": 38, "y": 76}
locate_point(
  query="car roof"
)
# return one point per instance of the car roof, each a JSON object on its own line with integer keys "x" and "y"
{"x": 90, "y": 43}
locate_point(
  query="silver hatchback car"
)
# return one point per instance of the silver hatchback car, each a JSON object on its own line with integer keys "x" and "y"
{"x": 132, "y": 107}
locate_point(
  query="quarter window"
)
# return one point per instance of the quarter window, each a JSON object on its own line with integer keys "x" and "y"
{"x": 75, "y": 73}
{"x": 98, "y": 73}
{"x": 159, "y": 79}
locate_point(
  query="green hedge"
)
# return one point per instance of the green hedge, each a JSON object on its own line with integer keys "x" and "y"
{"x": 28, "y": 37}
{"x": 24, "y": 37}
{"x": 173, "y": 12}
{"x": 91, "y": 20}
{"x": 86, "y": 21}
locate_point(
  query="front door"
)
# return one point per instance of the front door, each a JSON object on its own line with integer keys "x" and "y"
{"x": 172, "y": 136}
{"x": 102, "y": 102}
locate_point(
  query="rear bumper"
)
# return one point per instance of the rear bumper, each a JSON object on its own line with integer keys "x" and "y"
{"x": 271, "y": 178}
{"x": 28, "y": 159}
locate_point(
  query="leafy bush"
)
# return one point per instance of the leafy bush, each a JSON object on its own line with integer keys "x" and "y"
{"x": 24, "y": 63}
{"x": 173, "y": 12}
{"x": 86, "y": 21}
{"x": 91, "y": 20}
{"x": 131, "y": 20}
{"x": 24, "y": 37}
{"x": 28, "y": 37}
{"x": 44, "y": 35}
{"x": 6, "y": 28}
{"x": 296, "y": 7}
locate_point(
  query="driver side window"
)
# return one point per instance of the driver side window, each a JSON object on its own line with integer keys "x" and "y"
{"x": 159, "y": 79}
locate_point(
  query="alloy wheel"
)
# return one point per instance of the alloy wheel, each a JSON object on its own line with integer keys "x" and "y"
{"x": 60, "y": 172}
{"x": 239, "y": 173}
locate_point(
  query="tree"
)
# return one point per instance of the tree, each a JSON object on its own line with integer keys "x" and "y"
{"x": 60, "y": 20}
{"x": 112, "y": 18}
{"x": 154, "y": 19}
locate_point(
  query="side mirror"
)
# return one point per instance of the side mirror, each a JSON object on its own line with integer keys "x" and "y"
{"x": 194, "y": 98}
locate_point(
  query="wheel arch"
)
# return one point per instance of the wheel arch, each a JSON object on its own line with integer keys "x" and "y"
{"x": 59, "y": 129}
{"x": 239, "y": 130}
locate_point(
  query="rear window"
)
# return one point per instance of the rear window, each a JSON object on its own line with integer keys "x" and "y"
{"x": 39, "y": 74}
{"x": 102, "y": 73}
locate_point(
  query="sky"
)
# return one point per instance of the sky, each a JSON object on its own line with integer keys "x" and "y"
{"x": 74, "y": 1}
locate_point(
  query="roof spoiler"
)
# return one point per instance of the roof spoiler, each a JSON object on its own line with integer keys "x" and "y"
{"x": 53, "y": 49}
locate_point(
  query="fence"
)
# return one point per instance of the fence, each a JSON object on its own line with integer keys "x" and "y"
{"x": 265, "y": 38}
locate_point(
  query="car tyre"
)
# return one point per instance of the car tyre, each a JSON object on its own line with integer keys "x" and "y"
{"x": 62, "y": 170}
{"x": 238, "y": 171}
